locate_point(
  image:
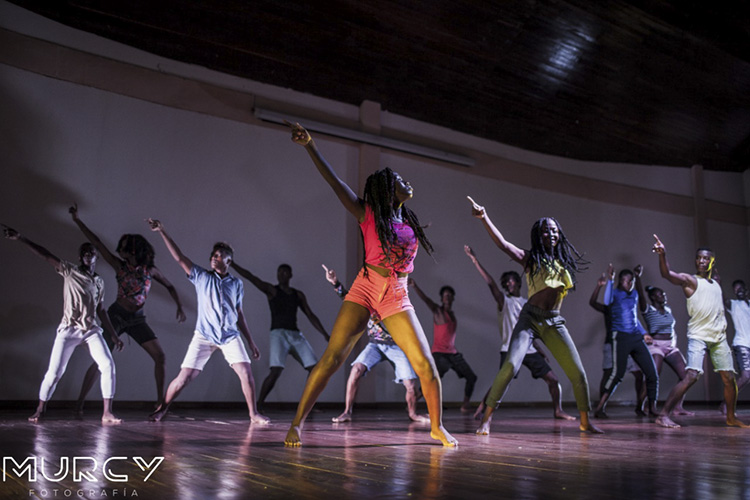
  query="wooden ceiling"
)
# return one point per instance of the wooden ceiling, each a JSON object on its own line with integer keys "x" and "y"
{"x": 664, "y": 82}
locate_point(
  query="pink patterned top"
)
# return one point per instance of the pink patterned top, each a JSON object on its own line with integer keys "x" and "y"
{"x": 403, "y": 251}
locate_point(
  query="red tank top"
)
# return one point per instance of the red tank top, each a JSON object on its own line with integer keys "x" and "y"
{"x": 444, "y": 336}
{"x": 403, "y": 250}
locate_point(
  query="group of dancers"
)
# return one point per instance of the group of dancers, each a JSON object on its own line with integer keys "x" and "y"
{"x": 377, "y": 302}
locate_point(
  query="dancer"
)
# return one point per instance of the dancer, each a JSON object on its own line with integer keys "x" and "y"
{"x": 391, "y": 235}
{"x": 550, "y": 268}
{"x": 739, "y": 309}
{"x": 706, "y": 332}
{"x": 286, "y": 338}
{"x": 380, "y": 347}
{"x": 627, "y": 337}
{"x": 444, "y": 340}
{"x": 509, "y": 306}
{"x": 82, "y": 321}
{"x": 220, "y": 324}
{"x": 661, "y": 339}
{"x": 607, "y": 361}
{"x": 134, "y": 270}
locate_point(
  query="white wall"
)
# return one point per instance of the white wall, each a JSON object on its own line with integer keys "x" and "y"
{"x": 123, "y": 160}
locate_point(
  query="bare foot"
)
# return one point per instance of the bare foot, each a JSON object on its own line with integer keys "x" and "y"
{"x": 158, "y": 415}
{"x": 109, "y": 418}
{"x": 344, "y": 417}
{"x": 479, "y": 411}
{"x": 590, "y": 428}
{"x": 559, "y": 414}
{"x": 665, "y": 421}
{"x": 292, "y": 437}
{"x": 466, "y": 408}
{"x": 36, "y": 417}
{"x": 484, "y": 429}
{"x": 443, "y": 436}
{"x": 734, "y": 422}
{"x": 260, "y": 419}
{"x": 682, "y": 411}
{"x": 422, "y": 419}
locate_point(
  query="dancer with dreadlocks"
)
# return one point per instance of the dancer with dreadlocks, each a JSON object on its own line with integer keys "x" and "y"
{"x": 134, "y": 270}
{"x": 391, "y": 235}
{"x": 550, "y": 268}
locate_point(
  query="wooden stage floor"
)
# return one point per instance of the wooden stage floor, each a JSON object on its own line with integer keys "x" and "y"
{"x": 216, "y": 453}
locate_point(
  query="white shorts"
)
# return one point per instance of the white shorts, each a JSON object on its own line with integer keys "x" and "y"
{"x": 200, "y": 350}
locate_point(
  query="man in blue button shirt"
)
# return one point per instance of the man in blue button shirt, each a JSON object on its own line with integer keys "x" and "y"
{"x": 219, "y": 324}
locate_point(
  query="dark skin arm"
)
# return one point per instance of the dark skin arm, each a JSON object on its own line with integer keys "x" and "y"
{"x": 432, "y": 305}
{"x": 311, "y": 316}
{"x": 162, "y": 280}
{"x": 261, "y": 285}
{"x": 685, "y": 281}
{"x": 594, "y": 300}
{"x": 185, "y": 263}
{"x": 245, "y": 331}
{"x": 39, "y": 250}
{"x": 112, "y": 259}
{"x": 517, "y": 254}
{"x": 642, "y": 303}
{"x": 107, "y": 325}
{"x": 498, "y": 295}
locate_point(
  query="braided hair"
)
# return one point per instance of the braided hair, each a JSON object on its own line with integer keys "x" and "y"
{"x": 380, "y": 194}
{"x": 139, "y": 247}
{"x": 564, "y": 252}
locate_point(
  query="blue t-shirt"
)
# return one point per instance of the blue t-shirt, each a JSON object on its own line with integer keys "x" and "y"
{"x": 624, "y": 309}
{"x": 218, "y": 300}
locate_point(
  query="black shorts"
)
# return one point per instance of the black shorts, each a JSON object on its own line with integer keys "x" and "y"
{"x": 132, "y": 323}
{"x": 535, "y": 362}
{"x": 445, "y": 361}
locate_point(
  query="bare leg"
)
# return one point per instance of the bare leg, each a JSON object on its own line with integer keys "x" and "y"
{"x": 553, "y": 384}
{"x": 600, "y": 411}
{"x": 181, "y": 381}
{"x": 153, "y": 348}
{"x": 675, "y": 396}
{"x": 247, "y": 382}
{"x": 352, "y": 385}
{"x": 730, "y": 398}
{"x": 348, "y": 327}
{"x": 411, "y": 402}
{"x": 88, "y": 382}
{"x": 268, "y": 383}
{"x": 107, "y": 416}
{"x": 39, "y": 413}
{"x": 408, "y": 334}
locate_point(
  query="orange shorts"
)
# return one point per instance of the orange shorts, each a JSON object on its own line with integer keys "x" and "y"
{"x": 381, "y": 296}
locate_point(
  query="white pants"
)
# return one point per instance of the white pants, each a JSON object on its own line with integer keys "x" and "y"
{"x": 67, "y": 339}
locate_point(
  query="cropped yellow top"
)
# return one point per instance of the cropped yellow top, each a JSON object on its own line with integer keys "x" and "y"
{"x": 549, "y": 277}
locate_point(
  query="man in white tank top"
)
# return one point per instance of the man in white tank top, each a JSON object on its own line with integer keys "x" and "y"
{"x": 706, "y": 332}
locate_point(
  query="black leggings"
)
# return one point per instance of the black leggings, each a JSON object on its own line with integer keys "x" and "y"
{"x": 629, "y": 344}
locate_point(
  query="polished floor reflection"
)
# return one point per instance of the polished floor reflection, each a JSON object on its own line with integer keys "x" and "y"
{"x": 211, "y": 453}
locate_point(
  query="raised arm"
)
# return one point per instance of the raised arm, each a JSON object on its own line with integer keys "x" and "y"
{"x": 261, "y": 285}
{"x": 245, "y": 331}
{"x": 344, "y": 193}
{"x": 686, "y": 281}
{"x": 39, "y": 250}
{"x": 594, "y": 300}
{"x": 185, "y": 263}
{"x": 432, "y": 305}
{"x": 311, "y": 316}
{"x": 515, "y": 253}
{"x": 494, "y": 289}
{"x": 112, "y": 259}
{"x": 160, "y": 278}
{"x": 642, "y": 302}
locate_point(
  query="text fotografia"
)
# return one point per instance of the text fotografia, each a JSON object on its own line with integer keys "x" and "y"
{"x": 81, "y": 468}
{"x": 87, "y": 493}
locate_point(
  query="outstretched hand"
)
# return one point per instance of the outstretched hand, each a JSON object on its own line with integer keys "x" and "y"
{"x": 477, "y": 210}
{"x": 300, "y": 135}
{"x": 330, "y": 275}
{"x": 658, "y": 246}
{"x": 602, "y": 279}
{"x": 469, "y": 252}
{"x": 10, "y": 233}
{"x": 155, "y": 224}
{"x": 638, "y": 270}
{"x": 73, "y": 211}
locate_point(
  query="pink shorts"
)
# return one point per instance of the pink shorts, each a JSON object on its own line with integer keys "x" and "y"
{"x": 663, "y": 348}
{"x": 381, "y": 296}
